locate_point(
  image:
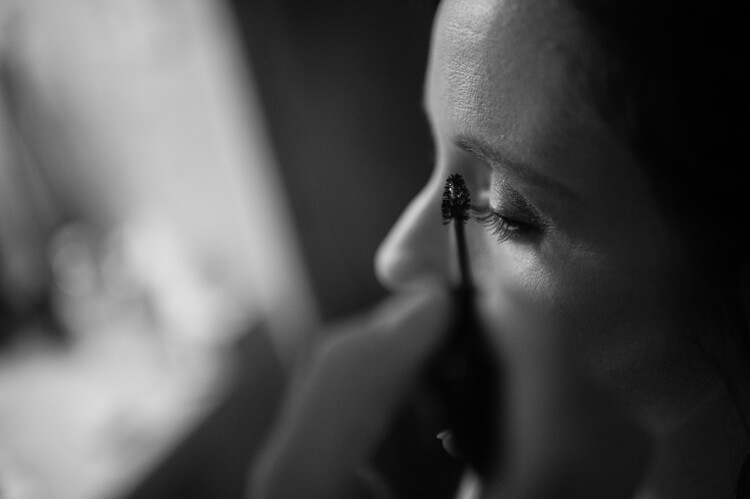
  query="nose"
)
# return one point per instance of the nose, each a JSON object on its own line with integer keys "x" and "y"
{"x": 418, "y": 245}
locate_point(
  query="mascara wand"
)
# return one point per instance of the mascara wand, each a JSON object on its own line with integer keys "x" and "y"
{"x": 456, "y": 206}
{"x": 463, "y": 370}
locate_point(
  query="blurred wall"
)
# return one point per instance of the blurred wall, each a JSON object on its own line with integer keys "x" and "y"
{"x": 341, "y": 84}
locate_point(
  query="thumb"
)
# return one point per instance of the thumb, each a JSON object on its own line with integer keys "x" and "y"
{"x": 348, "y": 395}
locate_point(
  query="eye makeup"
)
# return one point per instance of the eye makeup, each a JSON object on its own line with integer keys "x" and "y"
{"x": 508, "y": 215}
{"x": 502, "y": 228}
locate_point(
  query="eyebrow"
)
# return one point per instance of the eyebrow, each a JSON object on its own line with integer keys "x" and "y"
{"x": 497, "y": 159}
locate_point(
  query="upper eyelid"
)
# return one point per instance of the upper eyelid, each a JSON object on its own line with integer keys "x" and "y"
{"x": 515, "y": 205}
{"x": 495, "y": 160}
{"x": 514, "y": 202}
{"x": 499, "y": 187}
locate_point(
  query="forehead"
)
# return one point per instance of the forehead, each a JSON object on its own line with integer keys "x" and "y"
{"x": 504, "y": 66}
{"x": 514, "y": 75}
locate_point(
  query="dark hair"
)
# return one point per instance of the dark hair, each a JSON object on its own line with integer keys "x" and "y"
{"x": 674, "y": 77}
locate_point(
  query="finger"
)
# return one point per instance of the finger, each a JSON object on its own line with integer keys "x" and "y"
{"x": 353, "y": 388}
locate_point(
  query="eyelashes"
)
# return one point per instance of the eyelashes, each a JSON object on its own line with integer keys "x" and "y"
{"x": 503, "y": 228}
{"x": 504, "y": 212}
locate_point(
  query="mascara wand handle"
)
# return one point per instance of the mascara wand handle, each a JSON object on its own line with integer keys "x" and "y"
{"x": 463, "y": 263}
{"x": 464, "y": 375}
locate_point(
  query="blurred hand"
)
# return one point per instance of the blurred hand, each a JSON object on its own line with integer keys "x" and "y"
{"x": 561, "y": 437}
{"x": 346, "y": 398}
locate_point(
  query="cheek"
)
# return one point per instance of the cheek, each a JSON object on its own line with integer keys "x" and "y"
{"x": 632, "y": 327}
{"x": 513, "y": 271}
{"x": 622, "y": 316}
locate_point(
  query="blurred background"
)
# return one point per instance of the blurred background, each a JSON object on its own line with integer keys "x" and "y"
{"x": 187, "y": 190}
{"x": 341, "y": 84}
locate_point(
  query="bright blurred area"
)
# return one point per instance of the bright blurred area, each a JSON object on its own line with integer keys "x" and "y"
{"x": 187, "y": 188}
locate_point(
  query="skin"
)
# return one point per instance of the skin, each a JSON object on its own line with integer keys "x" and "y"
{"x": 605, "y": 265}
{"x": 590, "y": 299}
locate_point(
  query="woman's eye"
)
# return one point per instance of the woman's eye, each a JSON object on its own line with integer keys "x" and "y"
{"x": 507, "y": 214}
{"x": 502, "y": 227}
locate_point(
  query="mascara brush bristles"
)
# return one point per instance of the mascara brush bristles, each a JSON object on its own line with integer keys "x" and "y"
{"x": 456, "y": 199}
{"x": 456, "y": 206}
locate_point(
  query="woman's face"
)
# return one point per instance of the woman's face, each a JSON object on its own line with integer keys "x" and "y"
{"x": 573, "y": 228}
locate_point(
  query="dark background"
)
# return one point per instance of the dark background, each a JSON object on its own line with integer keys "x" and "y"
{"x": 341, "y": 84}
